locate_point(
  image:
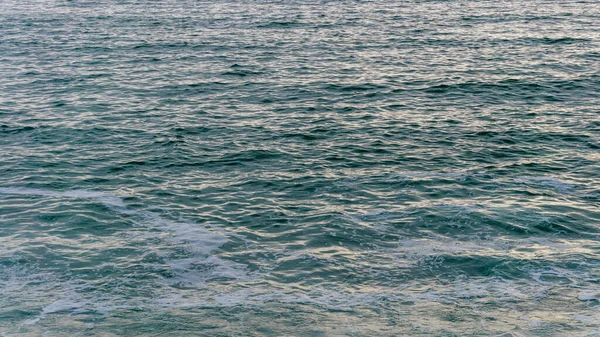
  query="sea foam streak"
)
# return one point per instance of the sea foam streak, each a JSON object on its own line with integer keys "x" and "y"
{"x": 105, "y": 198}
{"x": 198, "y": 240}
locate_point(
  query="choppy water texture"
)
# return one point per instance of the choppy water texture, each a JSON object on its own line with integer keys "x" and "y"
{"x": 345, "y": 168}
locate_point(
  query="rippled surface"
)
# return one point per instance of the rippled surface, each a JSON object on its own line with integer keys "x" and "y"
{"x": 424, "y": 168}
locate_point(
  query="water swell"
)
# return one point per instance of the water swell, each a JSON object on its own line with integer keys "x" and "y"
{"x": 299, "y": 168}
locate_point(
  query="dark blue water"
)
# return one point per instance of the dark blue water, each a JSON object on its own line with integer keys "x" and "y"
{"x": 313, "y": 168}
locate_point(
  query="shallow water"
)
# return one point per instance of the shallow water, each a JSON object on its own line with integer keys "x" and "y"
{"x": 347, "y": 168}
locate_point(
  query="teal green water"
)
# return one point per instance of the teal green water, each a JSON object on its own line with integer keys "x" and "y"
{"x": 299, "y": 168}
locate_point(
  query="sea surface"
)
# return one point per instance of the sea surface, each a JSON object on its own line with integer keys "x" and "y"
{"x": 299, "y": 168}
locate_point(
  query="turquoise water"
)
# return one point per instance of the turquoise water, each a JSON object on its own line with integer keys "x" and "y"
{"x": 299, "y": 168}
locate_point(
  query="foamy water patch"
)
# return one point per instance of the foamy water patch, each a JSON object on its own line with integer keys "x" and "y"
{"x": 196, "y": 238}
{"x": 104, "y": 198}
{"x": 532, "y": 248}
{"x": 187, "y": 248}
{"x": 555, "y": 183}
{"x": 585, "y": 191}
{"x": 200, "y": 265}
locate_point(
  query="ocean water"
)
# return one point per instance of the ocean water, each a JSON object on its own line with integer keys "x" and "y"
{"x": 299, "y": 168}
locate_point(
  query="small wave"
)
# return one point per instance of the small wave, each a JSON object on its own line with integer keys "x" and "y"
{"x": 241, "y": 73}
{"x": 460, "y": 176}
{"x": 563, "y": 40}
{"x": 279, "y": 24}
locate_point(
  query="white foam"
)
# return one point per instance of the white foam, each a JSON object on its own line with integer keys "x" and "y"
{"x": 60, "y": 305}
{"x": 105, "y": 198}
{"x": 196, "y": 237}
{"x": 321, "y": 297}
{"x": 589, "y": 295}
{"x": 547, "y": 181}
{"x": 201, "y": 266}
{"x": 579, "y": 190}
{"x": 198, "y": 266}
